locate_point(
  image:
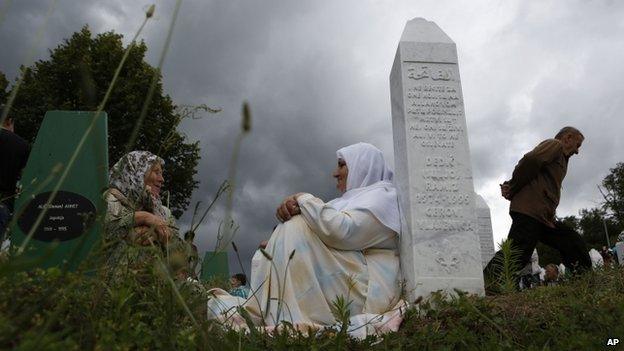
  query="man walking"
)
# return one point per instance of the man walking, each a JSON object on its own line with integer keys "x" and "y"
{"x": 534, "y": 191}
{"x": 13, "y": 157}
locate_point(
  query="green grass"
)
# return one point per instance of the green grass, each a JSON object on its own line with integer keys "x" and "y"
{"x": 49, "y": 309}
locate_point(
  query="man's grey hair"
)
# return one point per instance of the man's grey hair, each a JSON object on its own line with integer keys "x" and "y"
{"x": 568, "y": 130}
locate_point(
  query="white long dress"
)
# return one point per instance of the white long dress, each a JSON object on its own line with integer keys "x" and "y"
{"x": 349, "y": 254}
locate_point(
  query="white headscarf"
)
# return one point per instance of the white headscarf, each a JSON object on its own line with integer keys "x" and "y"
{"x": 369, "y": 185}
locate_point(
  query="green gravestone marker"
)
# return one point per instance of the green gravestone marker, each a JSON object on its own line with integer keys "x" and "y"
{"x": 72, "y": 222}
{"x": 215, "y": 264}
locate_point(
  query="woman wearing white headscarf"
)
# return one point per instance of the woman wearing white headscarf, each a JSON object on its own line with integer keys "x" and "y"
{"x": 346, "y": 248}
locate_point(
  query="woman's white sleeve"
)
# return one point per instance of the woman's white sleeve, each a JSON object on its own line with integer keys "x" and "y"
{"x": 343, "y": 230}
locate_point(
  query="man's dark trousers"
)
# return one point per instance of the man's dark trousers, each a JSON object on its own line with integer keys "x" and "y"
{"x": 526, "y": 231}
{"x": 5, "y": 217}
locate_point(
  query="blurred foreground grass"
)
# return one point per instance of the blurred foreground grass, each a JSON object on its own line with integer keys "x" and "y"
{"x": 51, "y": 310}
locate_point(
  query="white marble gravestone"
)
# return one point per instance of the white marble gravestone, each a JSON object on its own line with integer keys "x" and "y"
{"x": 484, "y": 229}
{"x": 439, "y": 240}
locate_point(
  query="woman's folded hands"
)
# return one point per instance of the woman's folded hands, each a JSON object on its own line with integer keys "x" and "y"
{"x": 288, "y": 208}
{"x": 151, "y": 228}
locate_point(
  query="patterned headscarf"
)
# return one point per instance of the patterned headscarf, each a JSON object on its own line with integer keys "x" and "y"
{"x": 128, "y": 176}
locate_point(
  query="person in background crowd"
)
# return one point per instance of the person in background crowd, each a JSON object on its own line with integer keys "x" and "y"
{"x": 607, "y": 256}
{"x": 551, "y": 276}
{"x": 193, "y": 255}
{"x": 239, "y": 288}
{"x": 530, "y": 275}
{"x": 13, "y": 156}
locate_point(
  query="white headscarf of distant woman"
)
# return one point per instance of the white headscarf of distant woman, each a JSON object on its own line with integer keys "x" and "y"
{"x": 128, "y": 176}
{"x": 369, "y": 185}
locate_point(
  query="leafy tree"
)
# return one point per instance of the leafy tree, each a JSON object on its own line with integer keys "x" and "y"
{"x": 592, "y": 224}
{"x": 614, "y": 192}
{"x": 76, "y": 77}
{"x": 570, "y": 221}
{"x": 4, "y": 84}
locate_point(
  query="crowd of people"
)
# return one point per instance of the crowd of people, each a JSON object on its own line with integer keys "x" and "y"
{"x": 320, "y": 251}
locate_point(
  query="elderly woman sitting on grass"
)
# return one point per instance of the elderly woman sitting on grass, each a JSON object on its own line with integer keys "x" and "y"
{"x": 330, "y": 259}
{"x": 138, "y": 227}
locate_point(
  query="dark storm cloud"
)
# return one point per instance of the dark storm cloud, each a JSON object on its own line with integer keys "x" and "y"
{"x": 316, "y": 77}
{"x": 24, "y": 21}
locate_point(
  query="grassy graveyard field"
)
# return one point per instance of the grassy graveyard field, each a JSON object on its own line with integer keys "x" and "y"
{"x": 54, "y": 310}
{"x": 144, "y": 308}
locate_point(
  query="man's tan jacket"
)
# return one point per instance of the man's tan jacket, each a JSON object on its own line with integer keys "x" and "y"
{"x": 536, "y": 181}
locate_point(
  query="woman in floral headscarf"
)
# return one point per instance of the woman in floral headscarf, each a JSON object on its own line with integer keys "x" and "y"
{"x": 137, "y": 225}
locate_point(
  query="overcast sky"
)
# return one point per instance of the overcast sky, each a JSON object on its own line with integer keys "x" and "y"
{"x": 316, "y": 76}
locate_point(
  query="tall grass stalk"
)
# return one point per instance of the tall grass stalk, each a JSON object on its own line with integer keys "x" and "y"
{"x": 242, "y": 311}
{"x": 86, "y": 134}
{"x": 508, "y": 264}
{"x": 222, "y": 231}
{"x": 273, "y": 268}
{"x": 245, "y": 128}
{"x": 182, "y": 113}
{"x": 240, "y": 264}
{"x": 4, "y": 9}
{"x": 283, "y": 287}
{"x": 31, "y": 187}
{"x": 340, "y": 308}
{"x": 155, "y": 76}
{"x": 183, "y": 303}
{"x": 222, "y": 188}
{"x": 55, "y": 170}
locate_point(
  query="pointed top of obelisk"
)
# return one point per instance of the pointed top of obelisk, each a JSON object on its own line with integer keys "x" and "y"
{"x": 422, "y": 31}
